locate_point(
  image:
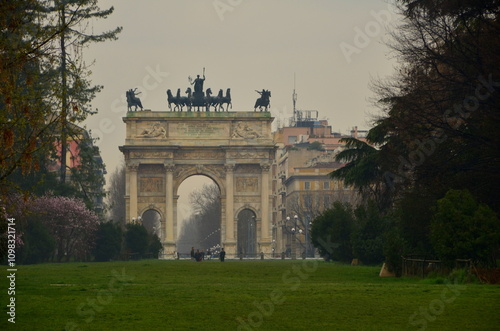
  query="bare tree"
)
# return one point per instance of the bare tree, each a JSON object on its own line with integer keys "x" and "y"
{"x": 189, "y": 236}
{"x": 116, "y": 195}
{"x": 202, "y": 229}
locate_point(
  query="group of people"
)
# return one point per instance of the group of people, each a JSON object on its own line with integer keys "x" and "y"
{"x": 200, "y": 256}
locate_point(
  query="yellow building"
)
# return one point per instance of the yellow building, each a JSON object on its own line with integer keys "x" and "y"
{"x": 302, "y": 185}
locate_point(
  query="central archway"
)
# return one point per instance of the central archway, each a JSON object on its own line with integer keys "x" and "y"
{"x": 198, "y": 215}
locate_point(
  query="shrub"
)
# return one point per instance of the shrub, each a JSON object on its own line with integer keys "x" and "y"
{"x": 464, "y": 229}
{"x": 108, "y": 242}
{"x": 136, "y": 239}
{"x": 335, "y": 225}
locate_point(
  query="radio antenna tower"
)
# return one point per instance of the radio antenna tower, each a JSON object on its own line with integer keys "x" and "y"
{"x": 294, "y": 99}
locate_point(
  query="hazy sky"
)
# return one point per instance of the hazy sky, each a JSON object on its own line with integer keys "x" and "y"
{"x": 334, "y": 48}
{"x": 244, "y": 45}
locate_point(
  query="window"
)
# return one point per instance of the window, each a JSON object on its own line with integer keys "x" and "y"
{"x": 307, "y": 185}
{"x": 326, "y": 185}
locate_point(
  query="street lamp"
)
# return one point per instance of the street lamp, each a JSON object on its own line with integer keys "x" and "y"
{"x": 292, "y": 228}
{"x": 296, "y": 229}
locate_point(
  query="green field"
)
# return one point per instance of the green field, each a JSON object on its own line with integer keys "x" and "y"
{"x": 245, "y": 295}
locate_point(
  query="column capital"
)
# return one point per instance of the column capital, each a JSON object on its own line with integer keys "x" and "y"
{"x": 265, "y": 167}
{"x": 169, "y": 167}
{"x": 229, "y": 167}
{"x": 132, "y": 165}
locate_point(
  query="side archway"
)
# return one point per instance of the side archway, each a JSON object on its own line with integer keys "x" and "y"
{"x": 152, "y": 221}
{"x": 247, "y": 233}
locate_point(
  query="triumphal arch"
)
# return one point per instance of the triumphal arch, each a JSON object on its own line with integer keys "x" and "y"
{"x": 234, "y": 149}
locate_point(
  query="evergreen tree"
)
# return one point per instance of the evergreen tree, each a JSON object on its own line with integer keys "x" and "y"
{"x": 368, "y": 234}
{"x": 88, "y": 176}
{"x": 438, "y": 128}
{"x": 136, "y": 239}
{"x": 334, "y": 225}
{"x": 45, "y": 89}
{"x": 26, "y": 88}
{"x": 76, "y": 91}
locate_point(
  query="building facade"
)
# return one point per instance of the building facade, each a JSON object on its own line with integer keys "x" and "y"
{"x": 303, "y": 188}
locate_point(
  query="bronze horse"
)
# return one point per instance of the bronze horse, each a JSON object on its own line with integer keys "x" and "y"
{"x": 226, "y": 99}
{"x": 263, "y": 101}
{"x": 172, "y": 100}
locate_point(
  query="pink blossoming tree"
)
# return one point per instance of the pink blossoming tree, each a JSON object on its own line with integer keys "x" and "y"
{"x": 71, "y": 224}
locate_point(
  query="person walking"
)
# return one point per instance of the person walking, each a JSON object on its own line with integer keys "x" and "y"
{"x": 197, "y": 256}
{"x": 222, "y": 254}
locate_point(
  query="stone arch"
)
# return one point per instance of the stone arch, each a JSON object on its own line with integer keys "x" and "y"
{"x": 247, "y": 230}
{"x": 234, "y": 149}
{"x": 249, "y": 207}
{"x": 208, "y": 225}
{"x": 152, "y": 207}
{"x": 195, "y": 172}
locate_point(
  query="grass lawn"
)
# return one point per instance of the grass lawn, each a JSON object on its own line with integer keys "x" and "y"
{"x": 245, "y": 295}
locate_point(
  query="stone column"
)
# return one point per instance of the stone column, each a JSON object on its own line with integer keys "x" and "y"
{"x": 132, "y": 170}
{"x": 127, "y": 195}
{"x": 169, "y": 243}
{"x": 229, "y": 241}
{"x": 265, "y": 235}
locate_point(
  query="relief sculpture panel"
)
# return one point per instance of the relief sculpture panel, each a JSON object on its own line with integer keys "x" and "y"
{"x": 152, "y": 130}
{"x": 247, "y": 184}
{"x": 151, "y": 185}
{"x": 245, "y": 131}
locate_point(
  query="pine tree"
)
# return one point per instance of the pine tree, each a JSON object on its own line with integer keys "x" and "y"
{"x": 76, "y": 91}
{"x": 25, "y": 88}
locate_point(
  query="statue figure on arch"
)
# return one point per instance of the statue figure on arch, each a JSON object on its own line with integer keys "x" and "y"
{"x": 198, "y": 85}
{"x": 263, "y": 102}
{"x": 133, "y": 100}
